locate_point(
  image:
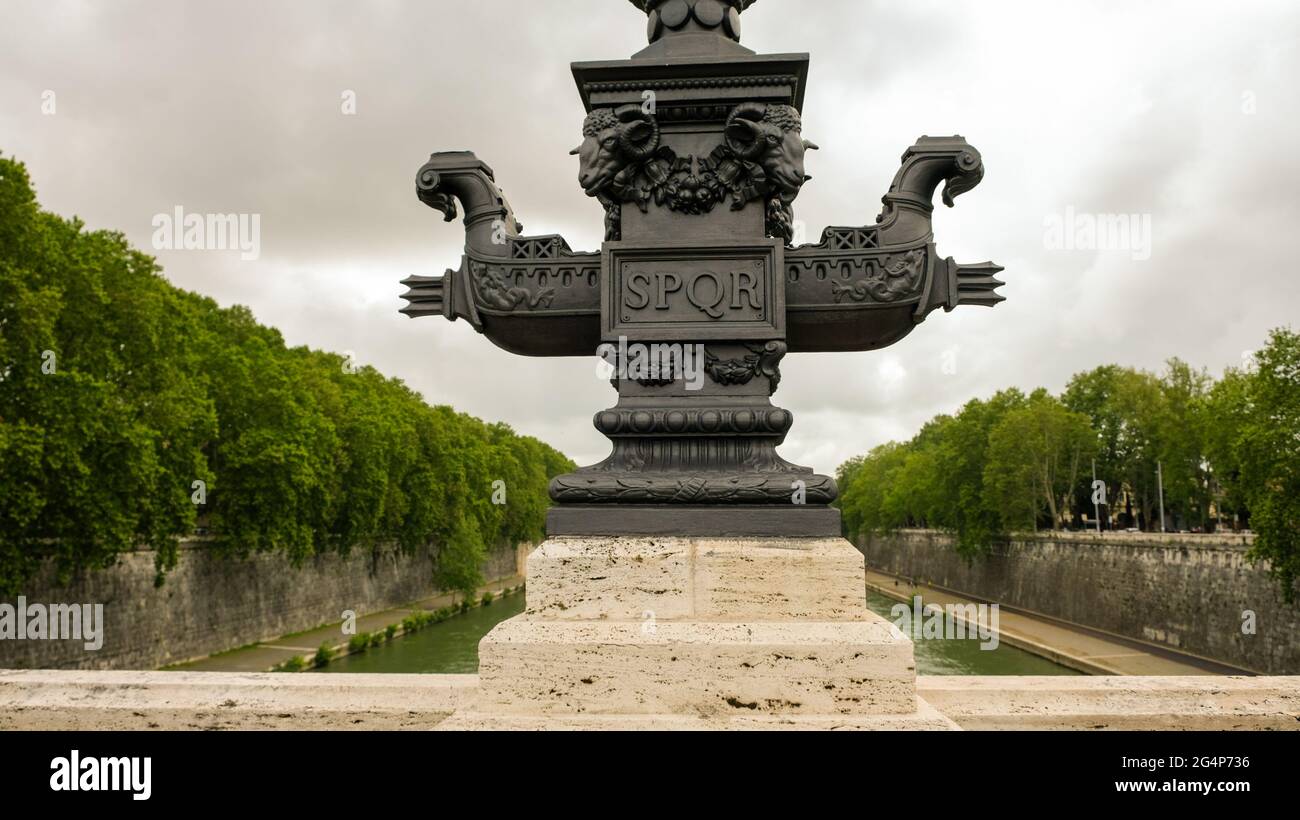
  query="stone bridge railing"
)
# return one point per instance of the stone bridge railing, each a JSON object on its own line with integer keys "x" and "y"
{"x": 84, "y": 700}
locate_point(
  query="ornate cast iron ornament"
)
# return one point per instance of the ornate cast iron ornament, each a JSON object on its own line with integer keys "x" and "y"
{"x": 695, "y": 149}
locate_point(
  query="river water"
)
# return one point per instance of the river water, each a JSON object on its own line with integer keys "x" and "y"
{"x": 452, "y": 647}
{"x": 940, "y": 656}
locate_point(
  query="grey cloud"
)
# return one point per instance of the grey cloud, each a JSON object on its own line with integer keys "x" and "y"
{"x": 1103, "y": 107}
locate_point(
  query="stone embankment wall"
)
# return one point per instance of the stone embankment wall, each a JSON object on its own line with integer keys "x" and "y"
{"x": 1196, "y": 593}
{"x": 210, "y": 604}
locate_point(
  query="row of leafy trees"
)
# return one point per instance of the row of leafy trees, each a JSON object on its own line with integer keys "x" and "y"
{"x": 1226, "y": 448}
{"x": 131, "y": 410}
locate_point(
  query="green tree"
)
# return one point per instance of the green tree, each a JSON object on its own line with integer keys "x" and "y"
{"x": 1123, "y": 406}
{"x": 1035, "y": 455}
{"x": 120, "y": 393}
{"x": 1181, "y": 431}
{"x": 1228, "y": 410}
{"x": 935, "y": 480}
{"x": 964, "y": 454}
{"x": 98, "y": 421}
{"x": 1258, "y": 413}
{"x": 862, "y": 494}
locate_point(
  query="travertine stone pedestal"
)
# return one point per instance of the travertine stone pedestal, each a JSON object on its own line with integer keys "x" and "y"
{"x": 696, "y": 633}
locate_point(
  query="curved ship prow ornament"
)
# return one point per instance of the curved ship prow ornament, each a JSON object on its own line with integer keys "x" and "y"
{"x": 694, "y": 148}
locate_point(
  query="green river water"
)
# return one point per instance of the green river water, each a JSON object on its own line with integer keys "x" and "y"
{"x": 452, "y": 647}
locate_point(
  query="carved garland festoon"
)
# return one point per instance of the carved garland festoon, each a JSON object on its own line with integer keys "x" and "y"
{"x": 762, "y": 360}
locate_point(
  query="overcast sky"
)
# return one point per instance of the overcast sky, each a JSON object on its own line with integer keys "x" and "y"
{"x": 1183, "y": 112}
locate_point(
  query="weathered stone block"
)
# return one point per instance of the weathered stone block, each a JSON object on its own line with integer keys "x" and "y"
{"x": 706, "y": 629}
{"x": 706, "y": 579}
{"x": 530, "y": 666}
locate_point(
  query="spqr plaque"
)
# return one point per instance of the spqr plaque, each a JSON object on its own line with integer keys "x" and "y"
{"x": 665, "y": 292}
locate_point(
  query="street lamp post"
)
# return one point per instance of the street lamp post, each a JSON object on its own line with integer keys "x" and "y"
{"x": 1160, "y": 488}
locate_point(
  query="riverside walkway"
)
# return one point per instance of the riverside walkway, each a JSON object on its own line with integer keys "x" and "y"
{"x": 265, "y": 655}
{"x": 1078, "y": 647}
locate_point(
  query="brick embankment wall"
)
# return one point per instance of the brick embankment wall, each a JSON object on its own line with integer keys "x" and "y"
{"x": 209, "y": 604}
{"x": 1190, "y": 592}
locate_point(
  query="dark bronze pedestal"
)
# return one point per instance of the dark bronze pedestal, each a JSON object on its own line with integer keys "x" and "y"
{"x": 694, "y": 148}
